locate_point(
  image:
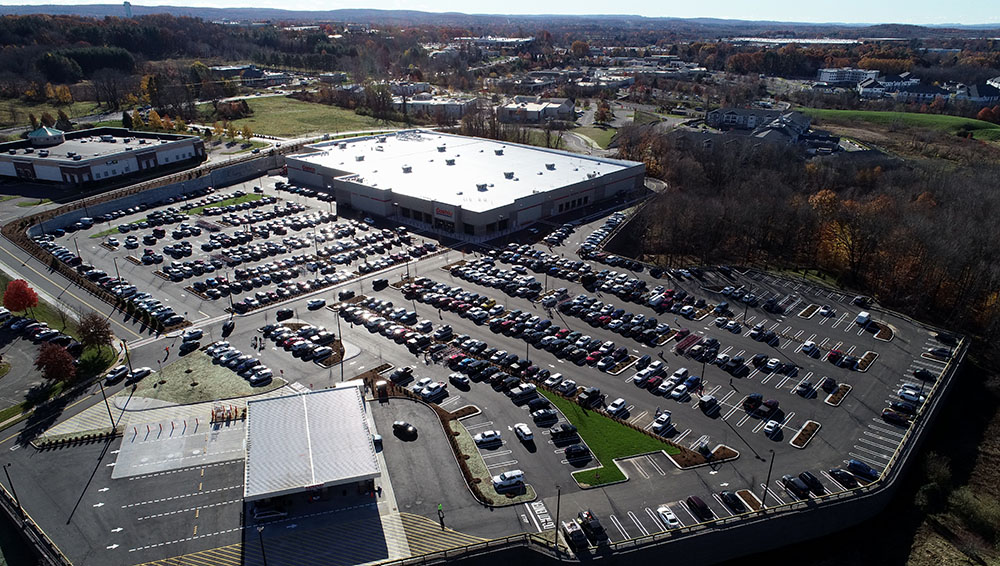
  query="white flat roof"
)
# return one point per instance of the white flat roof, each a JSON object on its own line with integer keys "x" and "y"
{"x": 307, "y": 440}
{"x": 476, "y": 162}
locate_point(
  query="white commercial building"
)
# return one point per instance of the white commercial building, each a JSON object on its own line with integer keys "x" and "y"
{"x": 87, "y": 157}
{"x": 309, "y": 442}
{"x": 460, "y": 185}
{"x": 846, "y": 75}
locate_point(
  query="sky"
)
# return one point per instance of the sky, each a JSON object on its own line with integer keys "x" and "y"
{"x": 847, "y": 11}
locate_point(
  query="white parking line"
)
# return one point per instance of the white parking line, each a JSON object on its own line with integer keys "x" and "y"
{"x": 656, "y": 520}
{"x": 655, "y": 466}
{"x": 501, "y": 464}
{"x": 478, "y": 425}
{"x": 772, "y": 494}
{"x": 640, "y": 469}
{"x": 621, "y": 529}
{"x": 724, "y": 508}
{"x": 872, "y": 453}
{"x": 684, "y": 506}
{"x": 886, "y": 431}
{"x": 681, "y": 436}
{"x": 495, "y": 454}
{"x": 635, "y": 520}
{"x": 874, "y": 444}
{"x": 842, "y": 318}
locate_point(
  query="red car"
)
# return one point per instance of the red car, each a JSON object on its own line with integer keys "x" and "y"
{"x": 593, "y": 358}
{"x": 562, "y": 333}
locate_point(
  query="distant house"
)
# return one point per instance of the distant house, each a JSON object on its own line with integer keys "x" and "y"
{"x": 920, "y": 93}
{"x": 871, "y": 88}
{"x": 895, "y": 82}
{"x": 534, "y": 109}
{"x": 985, "y": 94}
{"x": 740, "y": 118}
{"x": 788, "y": 127}
{"x": 845, "y": 75}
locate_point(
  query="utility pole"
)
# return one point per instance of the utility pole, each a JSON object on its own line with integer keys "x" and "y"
{"x": 260, "y": 536}
{"x": 767, "y": 484}
{"x": 117, "y": 273}
{"x": 13, "y": 491}
{"x": 103, "y": 394}
{"x": 128, "y": 358}
{"x": 558, "y": 501}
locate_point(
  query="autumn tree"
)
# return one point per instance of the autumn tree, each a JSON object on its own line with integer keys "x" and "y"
{"x": 19, "y": 296}
{"x": 247, "y": 132}
{"x": 95, "y": 330}
{"x": 154, "y": 120}
{"x": 217, "y": 129}
{"x": 63, "y": 95}
{"x": 180, "y": 125}
{"x": 579, "y": 49}
{"x": 167, "y": 123}
{"x": 603, "y": 113}
{"x": 231, "y": 131}
{"x": 137, "y": 122}
{"x": 47, "y": 120}
{"x": 55, "y": 363}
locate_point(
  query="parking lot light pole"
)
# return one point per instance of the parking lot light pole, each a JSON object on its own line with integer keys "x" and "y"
{"x": 767, "y": 484}
{"x": 13, "y": 491}
{"x": 103, "y": 394}
{"x": 128, "y": 358}
{"x": 118, "y": 273}
{"x": 746, "y": 304}
{"x": 558, "y": 501}
{"x": 260, "y": 537}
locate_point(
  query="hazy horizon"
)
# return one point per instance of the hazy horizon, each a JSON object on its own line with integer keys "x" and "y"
{"x": 917, "y": 12}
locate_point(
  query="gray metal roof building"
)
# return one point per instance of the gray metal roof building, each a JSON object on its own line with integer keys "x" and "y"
{"x": 306, "y": 442}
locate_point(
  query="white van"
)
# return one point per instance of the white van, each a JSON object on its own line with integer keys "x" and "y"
{"x": 87, "y": 221}
{"x": 508, "y": 479}
{"x": 863, "y": 318}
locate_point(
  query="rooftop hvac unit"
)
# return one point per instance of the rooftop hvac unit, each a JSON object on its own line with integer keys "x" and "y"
{"x": 142, "y": 142}
{"x": 359, "y": 157}
{"x": 378, "y": 148}
{"x": 450, "y": 161}
{"x": 591, "y": 175}
{"x": 498, "y": 151}
{"x": 407, "y": 169}
{"x": 342, "y": 145}
{"x": 508, "y": 174}
{"x": 550, "y": 166}
{"x": 481, "y": 187}
{"x": 441, "y": 149}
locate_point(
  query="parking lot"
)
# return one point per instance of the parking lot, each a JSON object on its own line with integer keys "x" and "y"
{"x": 530, "y": 314}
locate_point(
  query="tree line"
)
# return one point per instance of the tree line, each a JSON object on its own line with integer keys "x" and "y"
{"x": 918, "y": 235}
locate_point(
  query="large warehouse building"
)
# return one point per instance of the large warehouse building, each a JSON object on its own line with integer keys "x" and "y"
{"x": 87, "y": 157}
{"x": 457, "y": 184}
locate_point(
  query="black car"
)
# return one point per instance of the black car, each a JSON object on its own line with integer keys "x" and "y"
{"x": 921, "y": 373}
{"x": 284, "y": 314}
{"x": 813, "y": 482}
{"x": 844, "y": 477}
{"x": 733, "y": 502}
{"x": 576, "y": 451}
{"x": 563, "y": 431}
{"x": 795, "y": 486}
{"x": 903, "y": 407}
{"x": 896, "y": 418}
{"x": 228, "y": 327}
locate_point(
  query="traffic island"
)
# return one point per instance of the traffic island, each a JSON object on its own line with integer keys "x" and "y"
{"x": 478, "y": 476}
{"x": 866, "y": 361}
{"x": 883, "y": 331}
{"x": 837, "y": 397}
{"x": 805, "y": 434}
{"x": 195, "y": 379}
{"x": 809, "y": 311}
{"x": 689, "y": 459}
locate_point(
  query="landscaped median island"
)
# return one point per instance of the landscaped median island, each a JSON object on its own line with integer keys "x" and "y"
{"x": 805, "y": 434}
{"x": 235, "y": 200}
{"x": 481, "y": 478}
{"x": 195, "y": 379}
{"x": 608, "y": 439}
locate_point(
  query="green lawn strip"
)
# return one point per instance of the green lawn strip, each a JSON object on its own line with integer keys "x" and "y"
{"x": 643, "y": 117}
{"x": 227, "y": 202}
{"x": 287, "y": 117}
{"x": 213, "y": 382}
{"x": 34, "y": 202}
{"x": 479, "y": 470}
{"x": 951, "y": 124}
{"x": 601, "y": 135}
{"x": 607, "y": 438}
{"x": 15, "y": 112}
{"x": 6, "y": 198}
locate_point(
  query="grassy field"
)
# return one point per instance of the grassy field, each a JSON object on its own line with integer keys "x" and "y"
{"x": 601, "y": 135}
{"x": 15, "y": 112}
{"x": 607, "y": 438}
{"x": 204, "y": 382}
{"x": 227, "y": 202}
{"x": 951, "y": 124}
{"x": 286, "y": 117}
{"x": 643, "y": 117}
